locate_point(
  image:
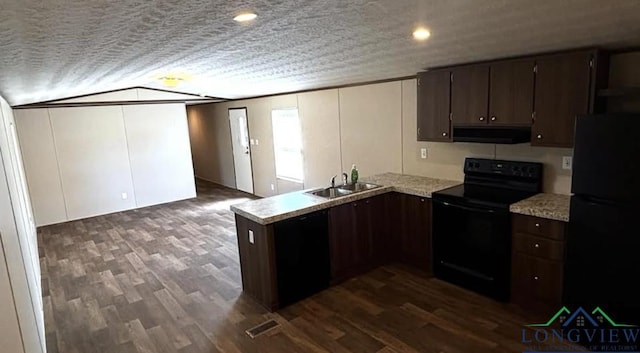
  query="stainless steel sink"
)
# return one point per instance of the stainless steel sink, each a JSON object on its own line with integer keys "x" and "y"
{"x": 331, "y": 193}
{"x": 358, "y": 187}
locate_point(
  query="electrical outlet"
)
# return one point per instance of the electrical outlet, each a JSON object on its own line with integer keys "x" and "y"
{"x": 252, "y": 141}
{"x": 423, "y": 153}
{"x": 257, "y": 142}
{"x": 251, "y": 239}
{"x": 124, "y": 196}
{"x": 567, "y": 162}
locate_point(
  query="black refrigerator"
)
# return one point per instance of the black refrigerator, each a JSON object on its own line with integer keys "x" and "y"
{"x": 602, "y": 267}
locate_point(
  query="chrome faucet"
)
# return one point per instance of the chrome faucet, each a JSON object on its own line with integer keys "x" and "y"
{"x": 345, "y": 179}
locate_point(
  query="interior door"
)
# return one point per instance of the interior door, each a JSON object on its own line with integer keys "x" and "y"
{"x": 241, "y": 149}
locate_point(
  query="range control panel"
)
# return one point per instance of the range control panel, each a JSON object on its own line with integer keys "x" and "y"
{"x": 481, "y": 166}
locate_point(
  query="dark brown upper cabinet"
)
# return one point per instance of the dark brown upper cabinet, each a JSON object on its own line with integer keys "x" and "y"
{"x": 470, "y": 95}
{"x": 433, "y": 106}
{"x": 499, "y": 93}
{"x": 544, "y": 92}
{"x": 563, "y": 91}
{"x": 511, "y": 93}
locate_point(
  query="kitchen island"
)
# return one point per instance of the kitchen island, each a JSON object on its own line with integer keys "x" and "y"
{"x": 294, "y": 245}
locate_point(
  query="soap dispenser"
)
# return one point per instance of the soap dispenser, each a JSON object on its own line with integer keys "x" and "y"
{"x": 354, "y": 174}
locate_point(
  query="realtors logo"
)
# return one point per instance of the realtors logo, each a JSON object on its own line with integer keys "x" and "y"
{"x": 580, "y": 330}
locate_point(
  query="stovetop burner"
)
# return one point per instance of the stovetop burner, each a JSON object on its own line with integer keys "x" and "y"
{"x": 482, "y": 195}
{"x": 495, "y": 183}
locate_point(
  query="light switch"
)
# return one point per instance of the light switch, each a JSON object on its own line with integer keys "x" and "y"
{"x": 257, "y": 142}
{"x": 251, "y": 240}
{"x": 567, "y": 162}
{"x": 423, "y": 153}
{"x": 124, "y": 196}
{"x": 273, "y": 187}
{"x": 252, "y": 141}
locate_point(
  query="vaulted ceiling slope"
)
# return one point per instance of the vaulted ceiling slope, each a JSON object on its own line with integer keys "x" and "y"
{"x": 59, "y": 48}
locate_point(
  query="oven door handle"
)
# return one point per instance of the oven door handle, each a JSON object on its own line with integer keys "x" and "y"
{"x": 466, "y": 208}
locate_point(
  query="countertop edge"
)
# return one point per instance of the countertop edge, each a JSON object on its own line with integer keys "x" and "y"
{"x": 527, "y": 207}
{"x": 328, "y": 203}
{"x": 539, "y": 214}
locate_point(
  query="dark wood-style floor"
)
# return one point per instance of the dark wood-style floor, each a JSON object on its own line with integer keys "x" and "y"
{"x": 167, "y": 279}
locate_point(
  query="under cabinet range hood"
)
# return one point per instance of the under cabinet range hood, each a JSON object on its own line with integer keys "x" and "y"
{"x": 492, "y": 134}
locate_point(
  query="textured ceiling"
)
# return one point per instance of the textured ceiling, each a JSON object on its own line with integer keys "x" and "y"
{"x": 59, "y": 48}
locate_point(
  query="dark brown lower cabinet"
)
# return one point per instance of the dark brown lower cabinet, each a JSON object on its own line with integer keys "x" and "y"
{"x": 257, "y": 261}
{"x": 370, "y": 232}
{"x": 537, "y": 264}
{"x": 415, "y": 232}
{"x": 357, "y": 237}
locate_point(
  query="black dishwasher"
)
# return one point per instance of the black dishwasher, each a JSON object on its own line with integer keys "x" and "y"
{"x": 302, "y": 256}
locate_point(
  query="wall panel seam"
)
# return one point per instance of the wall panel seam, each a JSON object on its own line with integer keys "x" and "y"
{"x": 9, "y": 274}
{"x": 55, "y": 151}
{"x": 126, "y": 140}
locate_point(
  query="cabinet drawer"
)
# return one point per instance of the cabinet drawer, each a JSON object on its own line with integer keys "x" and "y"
{"x": 539, "y": 226}
{"x": 538, "y": 246}
{"x": 537, "y": 278}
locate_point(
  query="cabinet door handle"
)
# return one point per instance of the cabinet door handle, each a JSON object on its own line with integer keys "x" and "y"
{"x": 539, "y": 137}
{"x": 536, "y": 245}
{"x": 536, "y": 278}
{"x": 421, "y": 200}
{"x": 482, "y": 118}
{"x": 444, "y": 134}
{"x": 418, "y": 132}
{"x": 493, "y": 118}
{"x": 537, "y": 225}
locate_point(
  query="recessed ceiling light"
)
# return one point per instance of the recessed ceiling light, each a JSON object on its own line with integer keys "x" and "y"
{"x": 245, "y": 17}
{"x": 421, "y": 33}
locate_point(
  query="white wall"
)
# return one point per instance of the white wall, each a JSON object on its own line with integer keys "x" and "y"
{"x": 370, "y": 128}
{"x": 158, "y": 139}
{"x": 91, "y": 146}
{"x": 39, "y": 156}
{"x": 9, "y": 326}
{"x": 94, "y": 155}
{"x": 22, "y": 317}
{"x": 373, "y": 126}
{"x": 319, "y": 113}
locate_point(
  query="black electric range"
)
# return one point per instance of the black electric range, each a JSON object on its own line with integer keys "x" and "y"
{"x": 472, "y": 224}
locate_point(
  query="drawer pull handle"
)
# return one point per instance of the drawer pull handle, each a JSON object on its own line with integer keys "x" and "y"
{"x": 536, "y": 278}
{"x": 537, "y": 225}
{"x": 537, "y": 245}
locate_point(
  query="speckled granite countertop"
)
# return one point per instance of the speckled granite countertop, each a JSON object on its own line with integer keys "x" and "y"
{"x": 411, "y": 184}
{"x": 276, "y": 208}
{"x": 551, "y": 206}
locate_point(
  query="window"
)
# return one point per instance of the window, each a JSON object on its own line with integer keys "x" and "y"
{"x": 287, "y": 144}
